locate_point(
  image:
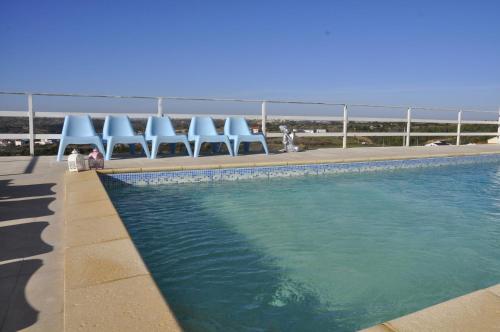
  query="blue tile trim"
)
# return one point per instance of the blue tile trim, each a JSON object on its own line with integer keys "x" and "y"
{"x": 232, "y": 174}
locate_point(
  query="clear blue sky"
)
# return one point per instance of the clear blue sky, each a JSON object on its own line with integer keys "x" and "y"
{"x": 444, "y": 53}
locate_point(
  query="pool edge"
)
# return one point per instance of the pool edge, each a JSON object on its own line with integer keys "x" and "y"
{"x": 232, "y": 172}
{"x": 475, "y": 311}
{"x": 107, "y": 286}
{"x": 287, "y": 163}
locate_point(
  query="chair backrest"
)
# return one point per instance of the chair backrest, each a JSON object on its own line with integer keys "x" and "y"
{"x": 202, "y": 125}
{"x": 117, "y": 125}
{"x": 159, "y": 126}
{"x": 78, "y": 125}
{"x": 236, "y": 126}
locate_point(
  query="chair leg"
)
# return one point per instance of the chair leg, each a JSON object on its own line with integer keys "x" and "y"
{"x": 62, "y": 147}
{"x": 109, "y": 148}
{"x": 145, "y": 148}
{"x": 154, "y": 148}
{"x": 100, "y": 146}
{"x": 197, "y": 147}
{"x": 188, "y": 148}
{"x": 236, "y": 146}
{"x": 228, "y": 144}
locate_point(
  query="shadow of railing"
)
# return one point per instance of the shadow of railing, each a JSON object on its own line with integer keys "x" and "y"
{"x": 18, "y": 242}
{"x": 14, "y": 280}
{"x": 23, "y": 240}
{"x": 28, "y": 208}
{"x": 20, "y": 191}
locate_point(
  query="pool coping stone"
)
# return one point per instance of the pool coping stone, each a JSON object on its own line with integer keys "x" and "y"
{"x": 107, "y": 286}
{"x": 119, "y": 170}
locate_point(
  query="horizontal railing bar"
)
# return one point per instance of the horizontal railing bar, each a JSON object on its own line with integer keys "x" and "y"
{"x": 299, "y": 134}
{"x": 379, "y": 134}
{"x": 303, "y": 118}
{"x": 92, "y": 115}
{"x": 453, "y": 134}
{"x": 479, "y": 134}
{"x": 27, "y": 136}
{"x": 450, "y": 110}
{"x": 331, "y": 134}
{"x": 13, "y": 113}
{"x": 181, "y": 116}
{"x": 481, "y": 122}
{"x": 240, "y": 100}
{"x": 374, "y": 134}
{"x": 250, "y": 117}
{"x": 74, "y": 95}
{"x": 15, "y": 136}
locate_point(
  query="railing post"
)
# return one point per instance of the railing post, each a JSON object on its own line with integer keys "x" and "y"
{"x": 408, "y": 126}
{"x": 264, "y": 117}
{"x": 459, "y": 127}
{"x": 31, "y": 124}
{"x": 344, "y": 128}
{"x": 160, "y": 106}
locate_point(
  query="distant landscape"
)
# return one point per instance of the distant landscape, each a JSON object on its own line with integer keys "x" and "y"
{"x": 54, "y": 126}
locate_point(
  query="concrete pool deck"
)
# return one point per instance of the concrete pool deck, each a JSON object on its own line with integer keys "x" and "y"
{"x": 44, "y": 220}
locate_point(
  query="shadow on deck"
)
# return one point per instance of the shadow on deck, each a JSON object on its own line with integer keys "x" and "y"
{"x": 20, "y": 240}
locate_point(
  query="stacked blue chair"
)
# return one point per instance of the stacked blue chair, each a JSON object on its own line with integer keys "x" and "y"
{"x": 160, "y": 130}
{"x": 118, "y": 130}
{"x": 78, "y": 129}
{"x": 202, "y": 130}
{"x": 236, "y": 128}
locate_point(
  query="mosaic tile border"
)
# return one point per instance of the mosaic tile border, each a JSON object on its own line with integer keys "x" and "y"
{"x": 259, "y": 172}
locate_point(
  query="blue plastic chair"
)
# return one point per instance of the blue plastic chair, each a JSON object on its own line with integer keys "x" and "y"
{"x": 202, "y": 130}
{"x": 236, "y": 128}
{"x": 118, "y": 130}
{"x": 160, "y": 130}
{"x": 78, "y": 129}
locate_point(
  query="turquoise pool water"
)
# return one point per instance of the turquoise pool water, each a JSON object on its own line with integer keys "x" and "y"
{"x": 317, "y": 253}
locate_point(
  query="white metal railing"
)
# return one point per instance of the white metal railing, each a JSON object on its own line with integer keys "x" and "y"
{"x": 264, "y": 117}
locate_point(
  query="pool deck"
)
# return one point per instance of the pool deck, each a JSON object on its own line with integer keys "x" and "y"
{"x": 51, "y": 244}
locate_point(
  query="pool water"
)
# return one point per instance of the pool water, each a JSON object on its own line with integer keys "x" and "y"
{"x": 317, "y": 253}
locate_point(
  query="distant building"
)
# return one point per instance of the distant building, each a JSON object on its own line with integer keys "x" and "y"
{"x": 44, "y": 141}
{"x": 309, "y": 131}
{"x": 321, "y": 131}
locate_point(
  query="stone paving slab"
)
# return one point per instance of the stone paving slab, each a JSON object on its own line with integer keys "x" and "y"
{"x": 107, "y": 285}
{"x": 132, "y": 304}
{"x": 477, "y": 311}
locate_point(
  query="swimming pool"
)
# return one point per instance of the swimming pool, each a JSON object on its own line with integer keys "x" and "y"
{"x": 333, "y": 252}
